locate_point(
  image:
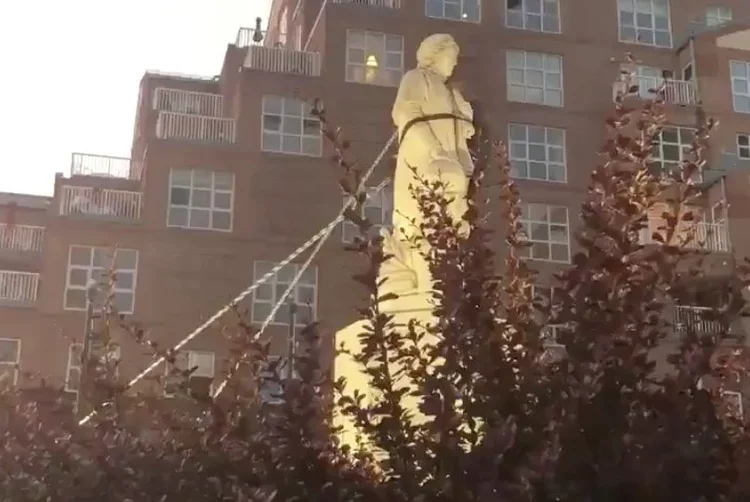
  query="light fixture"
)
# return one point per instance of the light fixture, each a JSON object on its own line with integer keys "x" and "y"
{"x": 372, "y": 61}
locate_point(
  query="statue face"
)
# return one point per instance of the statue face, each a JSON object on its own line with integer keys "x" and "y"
{"x": 446, "y": 62}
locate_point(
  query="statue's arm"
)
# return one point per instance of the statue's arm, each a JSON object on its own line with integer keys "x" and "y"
{"x": 412, "y": 93}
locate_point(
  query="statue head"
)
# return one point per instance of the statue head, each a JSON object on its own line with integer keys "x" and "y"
{"x": 438, "y": 53}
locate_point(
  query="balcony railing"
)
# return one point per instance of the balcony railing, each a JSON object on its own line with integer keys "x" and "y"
{"x": 676, "y": 92}
{"x": 18, "y": 288}
{"x": 21, "y": 238}
{"x": 391, "y": 4}
{"x": 100, "y": 203}
{"x": 277, "y": 57}
{"x": 689, "y": 318}
{"x": 183, "y": 126}
{"x": 707, "y": 236}
{"x": 188, "y": 102}
{"x": 102, "y": 166}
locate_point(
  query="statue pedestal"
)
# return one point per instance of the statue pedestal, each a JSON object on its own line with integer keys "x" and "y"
{"x": 415, "y": 306}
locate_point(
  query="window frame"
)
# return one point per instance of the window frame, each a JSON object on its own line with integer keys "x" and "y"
{"x": 385, "y": 204}
{"x": 658, "y": 141}
{"x": 549, "y": 242}
{"x": 188, "y": 356}
{"x": 635, "y": 41}
{"x": 305, "y": 115}
{"x": 282, "y": 363}
{"x": 381, "y": 67}
{"x": 189, "y": 207}
{"x": 745, "y": 78}
{"x": 77, "y": 367}
{"x": 90, "y": 268}
{"x": 715, "y": 12}
{"x": 741, "y": 147}
{"x": 547, "y": 146}
{"x": 281, "y": 287}
{"x": 525, "y": 85}
{"x": 523, "y": 4}
{"x": 14, "y": 365}
{"x": 461, "y": 4}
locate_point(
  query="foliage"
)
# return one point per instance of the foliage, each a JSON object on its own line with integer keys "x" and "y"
{"x": 504, "y": 414}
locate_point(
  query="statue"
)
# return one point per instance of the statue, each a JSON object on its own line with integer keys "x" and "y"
{"x": 434, "y": 122}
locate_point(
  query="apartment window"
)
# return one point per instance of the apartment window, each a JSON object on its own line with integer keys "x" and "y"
{"x": 304, "y": 294}
{"x": 534, "y": 77}
{"x": 378, "y": 209}
{"x": 87, "y": 264}
{"x": 289, "y": 127}
{"x": 457, "y": 10}
{"x": 546, "y": 228}
{"x": 537, "y": 153}
{"x": 716, "y": 15}
{"x": 670, "y": 148}
{"x": 202, "y": 365}
{"x": 740, "y": 72}
{"x": 200, "y": 199}
{"x": 645, "y": 22}
{"x": 733, "y": 401}
{"x": 534, "y": 15}
{"x": 271, "y": 390}
{"x": 73, "y": 371}
{"x": 374, "y": 58}
{"x": 10, "y": 358}
{"x": 743, "y": 146}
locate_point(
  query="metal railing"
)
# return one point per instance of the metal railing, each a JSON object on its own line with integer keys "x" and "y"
{"x": 279, "y": 57}
{"x": 98, "y": 202}
{"x": 693, "y": 318}
{"x": 708, "y": 236}
{"x": 183, "y": 126}
{"x": 102, "y": 166}
{"x": 18, "y": 288}
{"x": 22, "y": 238}
{"x": 676, "y": 92}
{"x": 188, "y": 102}
{"x": 391, "y": 4}
{"x": 182, "y": 76}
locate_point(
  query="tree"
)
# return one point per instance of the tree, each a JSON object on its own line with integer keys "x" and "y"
{"x": 509, "y": 416}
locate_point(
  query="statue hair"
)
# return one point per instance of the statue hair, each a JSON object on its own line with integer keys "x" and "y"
{"x": 431, "y": 48}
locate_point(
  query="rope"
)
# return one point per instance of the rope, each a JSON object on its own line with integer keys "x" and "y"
{"x": 321, "y": 236}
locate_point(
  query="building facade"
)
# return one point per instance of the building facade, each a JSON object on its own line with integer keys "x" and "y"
{"x": 229, "y": 174}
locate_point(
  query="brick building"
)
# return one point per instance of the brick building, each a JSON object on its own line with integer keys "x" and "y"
{"x": 229, "y": 174}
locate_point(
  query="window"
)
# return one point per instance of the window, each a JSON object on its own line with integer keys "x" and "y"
{"x": 670, "y": 148}
{"x": 457, "y": 10}
{"x": 534, "y": 15}
{"x": 645, "y": 22}
{"x": 740, "y": 72}
{"x": 378, "y": 209}
{"x": 200, "y": 380}
{"x": 10, "y": 358}
{"x": 87, "y": 264}
{"x": 73, "y": 372}
{"x": 743, "y": 146}
{"x": 271, "y": 390}
{"x": 534, "y": 77}
{"x": 546, "y": 229}
{"x": 374, "y": 58}
{"x": 289, "y": 127}
{"x": 733, "y": 400}
{"x": 717, "y": 15}
{"x": 200, "y": 199}
{"x": 537, "y": 153}
{"x": 269, "y": 293}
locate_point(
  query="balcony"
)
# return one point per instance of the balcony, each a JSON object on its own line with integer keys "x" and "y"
{"x": 18, "y": 289}
{"x": 20, "y": 238}
{"x": 103, "y": 166}
{"x": 690, "y": 318}
{"x": 708, "y": 236}
{"x": 390, "y": 4}
{"x": 188, "y": 102}
{"x": 200, "y": 128}
{"x": 276, "y": 57}
{"x": 98, "y": 203}
{"x": 676, "y": 92}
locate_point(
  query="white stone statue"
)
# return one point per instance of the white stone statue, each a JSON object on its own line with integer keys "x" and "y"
{"x": 434, "y": 122}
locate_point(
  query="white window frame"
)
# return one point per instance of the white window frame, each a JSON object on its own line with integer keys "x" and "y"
{"x": 659, "y": 144}
{"x": 528, "y": 225}
{"x": 392, "y": 74}
{"x": 739, "y": 74}
{"x": 515, "y": 145}
{"x": 463, "y": 18}
{"x": 737, "y": 396}
{"x": 91, "y": 269}
{"x": 743, "y": 146}
{"x": 304, "y": 115}
{"x": 192, "y": 357}
{"x": 281, "y": 368}
{"x": 277, "y": 288}
{"x": 74, "y": 365}
{"x": 13, "y": 365}
{"x": 382, "y": 201}
{"x": 515, "y": 68}
{"x": 523, "y": 10}
{"x": 633, "y": 4}
{"x": 717, "y": 15}
{"x": 192, "y": 188}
